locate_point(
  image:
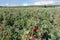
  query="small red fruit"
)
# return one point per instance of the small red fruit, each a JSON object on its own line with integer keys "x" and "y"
{"x": 36, "y": 28}
{"x": 31, "y": 36}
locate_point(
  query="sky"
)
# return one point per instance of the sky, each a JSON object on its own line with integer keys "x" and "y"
{"x": 28, "y": 2}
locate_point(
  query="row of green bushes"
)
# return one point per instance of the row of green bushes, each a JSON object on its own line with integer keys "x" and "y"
{"x": 15, "y": 22}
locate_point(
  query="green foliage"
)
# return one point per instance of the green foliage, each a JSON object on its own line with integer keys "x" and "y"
{"x": 19, "y": 20}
